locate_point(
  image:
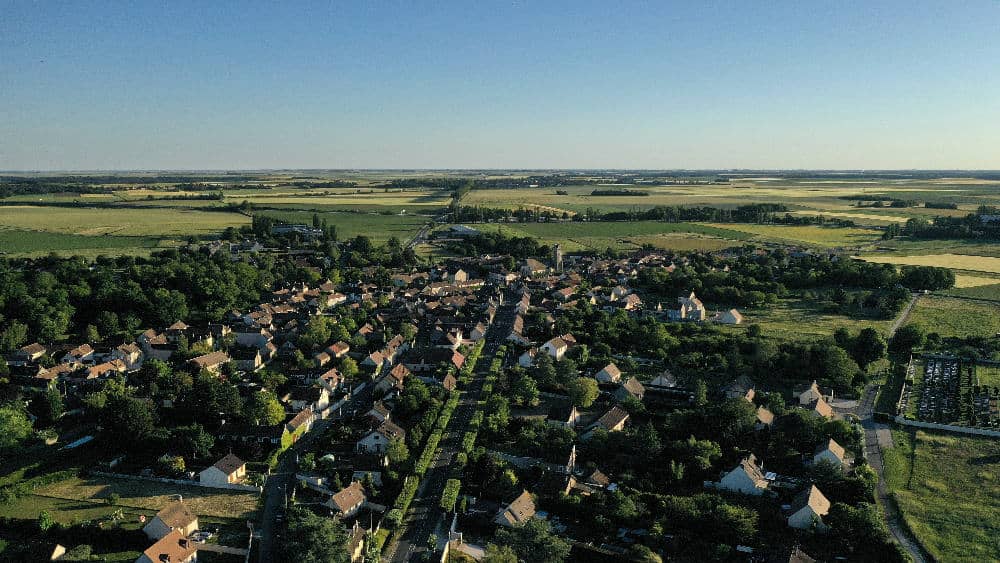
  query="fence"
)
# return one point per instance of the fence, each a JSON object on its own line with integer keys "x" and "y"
{"x": 949, "y": 427}
{"x": 188, "y": 482}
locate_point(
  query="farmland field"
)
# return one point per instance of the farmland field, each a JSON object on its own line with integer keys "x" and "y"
{"x": 811, "y": 235}
{"x": 988, "y": 375}
{"x": 376, "y": 226}
{"x": 945, "y": 487}
{"x": 949, "y": 316}
{"x": 575, "y": 236}
{"x": 953, "y": 261}
{"x": 119, "y": 221}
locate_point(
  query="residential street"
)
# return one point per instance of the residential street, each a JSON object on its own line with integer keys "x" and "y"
{"x": 425, "y": 516}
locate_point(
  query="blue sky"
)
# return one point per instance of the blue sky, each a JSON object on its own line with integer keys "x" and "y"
{"x": 515, "y": 84}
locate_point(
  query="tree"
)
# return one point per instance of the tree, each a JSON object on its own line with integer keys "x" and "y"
{"x": 127, "y": 421}
{"x": 47, "y": 406}
{"x": 397, "y": 451}
{"x": 525, "y": 391}
{"x": 90, "y": 334}
{"x": 348, "y": 367}
{"x": 905, "y": 340}
{"x": 13, "y": 337}
{"x": 534, "y": 541}
{"x": 499, "y": 554}
{"x": 583, "y": 391}
{"x": 15, "y": 427}
{"x": 45, "y": 521}
{"x": 264, "y": 409}
{"x": 868, "y": 347}
{"x": 314, "y": 539}
{"x": 193, "y": 440}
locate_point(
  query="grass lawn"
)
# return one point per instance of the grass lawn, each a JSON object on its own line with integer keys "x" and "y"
{"x": 988, "y": 292}
{"x": 988, "y": 375}
{"x": 949, "y": 316}
{"x": 152, "y": 495}
{"x": 796, "y": 319}
{"x": 948, "y": 490}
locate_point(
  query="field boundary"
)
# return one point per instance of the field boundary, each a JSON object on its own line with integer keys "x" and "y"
{"x": 948, "y": 427}
{"x": 188, "y": 483}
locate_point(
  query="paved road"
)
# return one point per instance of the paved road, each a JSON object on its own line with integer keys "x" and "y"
{"x": 873, "y": 453}
{"x": 425, "y": 517}
{"x": 283, "y": 479}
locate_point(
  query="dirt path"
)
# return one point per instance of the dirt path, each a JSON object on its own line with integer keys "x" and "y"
{"x": 903, "y": 317}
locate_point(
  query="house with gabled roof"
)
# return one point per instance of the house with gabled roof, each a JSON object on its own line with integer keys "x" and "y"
{"x": 211, "y": 362}
{"x": 348, "y": 501}
{"x": 765, "y": 418}
{"x": 174, "y": 517}
{"x": 227, "y": 471}
{"x": 27, "y": 354}
{"x": 608, "y": 374}
{"x": 808, "y": 509}
{"x": 612, "y": 421}
{"x": 556, "y": 348}
{"x": 82, "y": 354}
{"x": 630, "y": 389}
{"x": 821, "y": 408}
{"x": 517, "y": 511}
{"x": 174, "y": 547}
{"x": 746, "y": 478}
{"x": 377, "y": 440}
{"x": 740, "y": 388}
{"x": 831, "y": 452}
{"x": 813, "y": 393}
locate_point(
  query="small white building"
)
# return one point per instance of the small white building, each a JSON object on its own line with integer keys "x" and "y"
{"x": 808, "y": 509}
{"x": 746, "y": 478}
{"x": 830, "y": 452}
{"x": 608, "y": 374}
{"x": 227, "y": 471}
{"x": 175, "y": 516}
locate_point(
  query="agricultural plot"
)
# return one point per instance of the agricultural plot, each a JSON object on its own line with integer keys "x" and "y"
{"x": 946, "y": 489}
{"x": 35, "y": 243}
{"x": 377, "y": 226}
{"x": 809, "y": 235}
{"x": 579, "y": 236}
{"x": 395, "y": 202}
{"x": 794, "y": 319}
{"x": 949, "y": 316}
{"x": 953, "y": 261}
{"x": 122, "y": 221}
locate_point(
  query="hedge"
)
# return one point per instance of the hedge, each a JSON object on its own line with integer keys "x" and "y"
{"x": 450, "y": 495}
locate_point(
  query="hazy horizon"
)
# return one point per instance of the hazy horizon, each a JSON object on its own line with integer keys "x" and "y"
{"x": 500, "y": 86}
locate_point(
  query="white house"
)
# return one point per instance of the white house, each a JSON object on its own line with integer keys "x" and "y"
{"x": 809, "y": 508}
{"x": 556, "y": 348}
{"x": 830, "y": 452}
{"x": 227, "y": 471}
{"x": 811, "y": 394}
{"x": 174, "y": 516}
{"x": 747, "y": 478}
{"x": 608, "y": 374}
{"x": 174, "y": 547}
{"x": 730, "y": 317}
{"x": 378, "y": 439}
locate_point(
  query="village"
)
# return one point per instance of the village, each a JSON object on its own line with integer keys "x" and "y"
{"x": 450, "y": 401}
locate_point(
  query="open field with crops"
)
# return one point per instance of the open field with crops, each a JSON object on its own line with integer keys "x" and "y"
{"x": 810, "y": 235}
{"x": 949, "y": 316}
{"x": 945, "y": 486}
{"x": 577, "y": 236}
{"x": 954, "y": 261}
{"x": 376, "y": 226}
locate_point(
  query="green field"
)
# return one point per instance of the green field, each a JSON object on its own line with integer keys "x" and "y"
{"x": 945, "y": 486}
{"x": 950, "y": 316}
{"x": 988, "y": 375}
{"x": 809, "y": 235}
{"x": 577, "y": 236}
{"x": 795, "y": 319}
{"x": 376, "y": 226}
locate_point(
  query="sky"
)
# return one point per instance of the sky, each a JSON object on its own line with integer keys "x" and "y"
{"x": 516, "y": 84}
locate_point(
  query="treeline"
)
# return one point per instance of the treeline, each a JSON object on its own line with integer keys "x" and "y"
{"x": 618, "y": 193}
{"x": 10, "y": 188}
{"x": 983, "y": 225}
{"x": 499, "y": 243}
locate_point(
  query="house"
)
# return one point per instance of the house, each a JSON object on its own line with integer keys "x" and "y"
{"x": 747, "y": 478}
{"x": 130, "y": 354}
{"x": 395, "y": 378}
{"x": 338, "y": 349}
{"x": 330, "y": 380}
{"x": 527, "y": 359}
{"x": 517, "y": 511}
{"x": 28, "y": 354}
{"x": 174, "y": 547}
{"x": 765, "y": 418}
{"x": 531, "y": 268}
{"x": 227, "y": 471}
{"x": 556, "y": 348}
{"x": 301, "y": 422}
{"x": 821, "y": 408}
{"x": 459, "y": 276}
{"x": 378, "y": 439}
{"x": 612, "y": 421}
{"x": 631, "y": 389}
{"x": 665, "y": 380}
{"x": 248, "y": 359}
{"x": 174, "y": 517}
{"x": 730, "y": 317}
{"x": 449, "y": 382}
{"x": 82, "y": 354}
{"x": 106, "y": 369}
{"x": 478, "y": 332}
{"x": 608, "y": 374}
{"x": 348, "y": 501}
{"x": 597, "y": 479}
{"x": 211, "y": 362}
{"x": 830, "y": 452}
{"x": 689, "y": 308}
{"x": 808, "y": 509}
{"x": 740, "y": 388}
{"x": 811, "y": 394}
{"x": 631, "y": 302}
{"x": 379, "y": 413}
{"x": 564, "y": 415}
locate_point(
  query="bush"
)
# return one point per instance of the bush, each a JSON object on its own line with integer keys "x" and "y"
{"x": 450, "y": 495}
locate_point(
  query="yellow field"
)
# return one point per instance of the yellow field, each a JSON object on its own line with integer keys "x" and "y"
{"x": 962, "y": 281}
{"x": 154, "y": 495}
{"x": 953, "y": 261}
{"x": 870, "y": 217}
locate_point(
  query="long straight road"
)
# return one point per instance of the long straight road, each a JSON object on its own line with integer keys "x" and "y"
{"x": 425, "y": 516}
